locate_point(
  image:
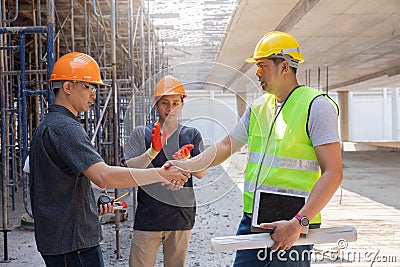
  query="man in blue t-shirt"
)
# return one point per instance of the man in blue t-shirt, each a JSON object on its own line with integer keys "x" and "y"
{"x": 164, "y": 214}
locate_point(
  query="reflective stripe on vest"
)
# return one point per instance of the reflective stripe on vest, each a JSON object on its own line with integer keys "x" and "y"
{"x": 248, "y": 185}
{"x": 281, "y": 162}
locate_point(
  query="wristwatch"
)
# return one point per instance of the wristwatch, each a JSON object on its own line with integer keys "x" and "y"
{"x": 303, "y": 220}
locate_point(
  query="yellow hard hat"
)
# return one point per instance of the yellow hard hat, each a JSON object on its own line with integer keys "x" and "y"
{"x": 169, "y": 85}
{"x": 278, "y": 44}
{"x": 76, "y": 66}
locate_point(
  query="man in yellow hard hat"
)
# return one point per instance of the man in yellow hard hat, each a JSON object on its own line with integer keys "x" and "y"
{"x": 163, "y": 215}
{"x": 62, "y": 165}
{"x": 293, "y": 140}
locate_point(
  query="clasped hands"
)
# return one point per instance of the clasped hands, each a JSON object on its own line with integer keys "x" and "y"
{"x": 182, "y": 154}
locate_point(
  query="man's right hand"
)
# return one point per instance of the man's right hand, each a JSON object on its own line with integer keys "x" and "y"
{"x": 173, "y": 175}
{"x": 157, "y": 140}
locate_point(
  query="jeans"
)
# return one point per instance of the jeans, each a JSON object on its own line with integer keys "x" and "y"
{"x": 264, "y": 257}
{"x": 87, "y": 257}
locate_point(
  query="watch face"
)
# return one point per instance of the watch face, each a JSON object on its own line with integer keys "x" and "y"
{"x": 304, "y": 221}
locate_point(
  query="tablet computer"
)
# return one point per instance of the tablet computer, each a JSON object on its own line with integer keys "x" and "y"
{"x": 271, "y": 206}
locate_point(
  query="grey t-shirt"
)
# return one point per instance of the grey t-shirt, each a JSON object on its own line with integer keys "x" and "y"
{"x": 63, "y": 203}
{"x": 175, "y": 210}
{"x": 322, "y": 124}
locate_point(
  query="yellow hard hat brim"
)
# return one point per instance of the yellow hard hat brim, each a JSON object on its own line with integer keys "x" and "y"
{"x": 250, "y": 60}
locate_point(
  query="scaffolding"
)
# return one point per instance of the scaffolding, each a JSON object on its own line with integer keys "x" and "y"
{"x": 118, "y": 34}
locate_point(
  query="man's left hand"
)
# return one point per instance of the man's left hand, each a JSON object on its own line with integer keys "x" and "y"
{"x": 106, "y": 208}
{"x": 285, "y": 234}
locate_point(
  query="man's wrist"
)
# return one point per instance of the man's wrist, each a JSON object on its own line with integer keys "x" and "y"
{"x": 304, "y": 221}
{"x": 152, "y": 153}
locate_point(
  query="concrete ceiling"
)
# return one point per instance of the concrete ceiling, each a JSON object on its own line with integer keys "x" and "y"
{"x": 348, "y": 44}
{"x": 191, "y": 32}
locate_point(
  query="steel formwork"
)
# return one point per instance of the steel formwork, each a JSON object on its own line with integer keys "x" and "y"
{"x": 33, "y": 34}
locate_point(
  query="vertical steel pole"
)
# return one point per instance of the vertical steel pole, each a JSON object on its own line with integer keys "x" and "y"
{"x": 22, "y": 96}
{"x": 327, "y": 81}
{"x": 115, "y": 111}
{"x": 4, "y": 203}
{"x": 50, "y": 44}
{"x": 143, "y": 69}
{"x": 72, "y": 26}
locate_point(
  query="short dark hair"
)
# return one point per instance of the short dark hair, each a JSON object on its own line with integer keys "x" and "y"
{"x": 277, "y": 61}
{"x": 159, "y": 97}
{"x": 56, "y": 90}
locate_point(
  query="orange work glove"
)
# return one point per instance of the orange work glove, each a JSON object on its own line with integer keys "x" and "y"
{"x": 183, "y": 152}
{"x": 157, "y": 140}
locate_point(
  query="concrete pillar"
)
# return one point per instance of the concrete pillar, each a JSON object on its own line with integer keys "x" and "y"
{"x": 241, "y": 99}
{"x": 343, "y": 97}
{"x": 395, "y": 114}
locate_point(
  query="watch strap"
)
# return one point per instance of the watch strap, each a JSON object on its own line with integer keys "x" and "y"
{"x": 298, "y": 216}
{"x": 301, "y": 219}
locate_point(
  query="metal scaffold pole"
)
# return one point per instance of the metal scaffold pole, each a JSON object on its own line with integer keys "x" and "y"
{"x": 15, "y": 89}
{"x": 118, "y": 34}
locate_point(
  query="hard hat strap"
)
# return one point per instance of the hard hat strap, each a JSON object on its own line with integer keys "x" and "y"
{"x": 290, "y": 50}
{"x": 291, "y": 61}
{"x": 56, "y": 84}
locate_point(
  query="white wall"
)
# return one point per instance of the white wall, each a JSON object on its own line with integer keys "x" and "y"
{"x": 212, "y": 113}
{"x": 370, "y": 114}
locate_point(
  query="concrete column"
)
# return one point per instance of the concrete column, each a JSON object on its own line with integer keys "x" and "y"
{"x": 241, "y": 99}
{"x": 343, "y": 97}
{"x": 395, "y": 114}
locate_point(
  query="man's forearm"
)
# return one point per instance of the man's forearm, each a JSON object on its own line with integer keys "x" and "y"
{"x": 141, "y": 161}
{"x": 213, "y": 155}
{"x": 329, "y": 158}
{"x": 106, "y": 176}
{"x": 320, "y": 195}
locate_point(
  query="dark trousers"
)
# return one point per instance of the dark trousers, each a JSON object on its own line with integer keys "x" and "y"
{"x": 88, "y": 257}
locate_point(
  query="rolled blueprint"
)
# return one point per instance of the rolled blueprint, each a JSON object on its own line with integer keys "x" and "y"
{"x": 314, "y": 236}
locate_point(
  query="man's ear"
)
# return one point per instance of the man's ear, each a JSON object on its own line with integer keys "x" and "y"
{"x": 285, "y": 66}
{"x": 67, "y": 87}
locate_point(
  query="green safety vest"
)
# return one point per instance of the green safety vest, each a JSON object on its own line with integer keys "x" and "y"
{"x": 281, "y": 155}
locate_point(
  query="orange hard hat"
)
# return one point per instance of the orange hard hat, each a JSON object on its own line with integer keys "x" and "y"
{"x": 169, "y": 85}
{"x": 76, "y": 66}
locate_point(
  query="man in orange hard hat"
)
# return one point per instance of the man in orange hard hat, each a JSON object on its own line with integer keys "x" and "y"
{"x": 62, "y": 164}
{"x": 293, "y": 142}
{"x": 163, "y": 215}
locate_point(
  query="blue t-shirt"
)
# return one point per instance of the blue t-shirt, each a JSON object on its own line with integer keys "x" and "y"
{"x": 160, "y": 209}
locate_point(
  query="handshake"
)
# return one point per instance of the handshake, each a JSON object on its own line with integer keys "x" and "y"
{"x": 170, "y": 167}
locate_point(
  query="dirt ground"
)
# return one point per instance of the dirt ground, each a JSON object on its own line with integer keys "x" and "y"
{"x": 218, "y": 213}
{"x": 369, "y": 190}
